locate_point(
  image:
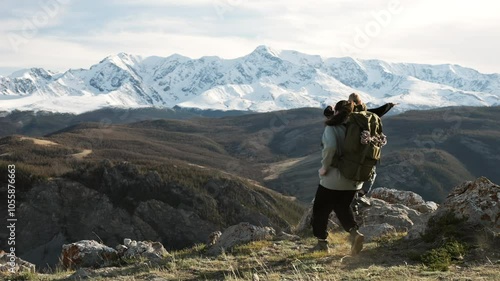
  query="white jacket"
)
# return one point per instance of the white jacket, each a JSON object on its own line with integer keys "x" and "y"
{"x": 334, "y": 179}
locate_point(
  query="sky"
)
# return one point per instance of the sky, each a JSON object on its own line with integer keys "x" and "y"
{"x": 61, "y": 34}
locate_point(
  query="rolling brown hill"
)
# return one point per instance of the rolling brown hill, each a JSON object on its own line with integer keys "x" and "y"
{"x": 428, "y": 151}
{"x": 141, "y": 181}
{"x": 41, "y": 123}
{"x": 215, "y": 171}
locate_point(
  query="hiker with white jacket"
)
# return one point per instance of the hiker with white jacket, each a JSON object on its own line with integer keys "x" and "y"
{"x": 335, "y": 192}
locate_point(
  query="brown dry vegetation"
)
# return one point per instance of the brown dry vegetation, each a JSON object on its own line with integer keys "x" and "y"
{"x": 429, "y": 152}
{"x": 390, "y": 258}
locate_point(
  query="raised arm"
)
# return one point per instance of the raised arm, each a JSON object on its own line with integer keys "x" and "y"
{"x": 380, "y": 111}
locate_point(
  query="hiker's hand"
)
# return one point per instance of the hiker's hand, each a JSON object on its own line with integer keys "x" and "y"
{"x": 322, "y": 171}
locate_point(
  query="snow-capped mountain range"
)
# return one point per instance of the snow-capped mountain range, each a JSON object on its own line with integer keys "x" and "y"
{"x": 264, "y": 80}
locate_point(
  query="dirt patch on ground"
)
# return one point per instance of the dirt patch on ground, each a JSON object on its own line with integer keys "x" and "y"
{"x": 274, "y": 170}
{"x": 82, "y": 154}
{"x": 39, "y": 141}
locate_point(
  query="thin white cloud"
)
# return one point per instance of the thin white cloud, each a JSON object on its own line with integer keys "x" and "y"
{"x": 425, "y": 31}
{"x": 159, "y": 3}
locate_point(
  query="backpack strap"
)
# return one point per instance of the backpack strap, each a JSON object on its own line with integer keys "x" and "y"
{"x": 363, "y": 155}
{"x": 338, "y": 151}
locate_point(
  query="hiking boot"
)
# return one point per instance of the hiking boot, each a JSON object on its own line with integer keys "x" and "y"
{"x": 321, "y": 246}
{"x": 356, "y": 241}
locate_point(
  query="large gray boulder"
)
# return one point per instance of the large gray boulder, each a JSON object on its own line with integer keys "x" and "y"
{"x": 380, "y": 212}
{"x": 400, "y": 217}
{"x": 477, "y": 200}
{"x": 87, "y": 253}
{"x": 373, "y": 231}
{"x": 380, "y": 217}
{"x": 239, "y": 234}
{"x": 404, "y": 197}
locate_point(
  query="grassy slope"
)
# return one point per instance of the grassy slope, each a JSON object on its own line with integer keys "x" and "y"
{"x": 386, "y": 259}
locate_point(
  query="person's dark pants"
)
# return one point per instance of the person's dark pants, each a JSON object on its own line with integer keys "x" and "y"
{"x": 326, "y": 201}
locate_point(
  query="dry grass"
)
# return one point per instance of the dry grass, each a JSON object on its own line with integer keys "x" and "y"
{"x": 274, "y": 170}
{"x": 286, "y": 260}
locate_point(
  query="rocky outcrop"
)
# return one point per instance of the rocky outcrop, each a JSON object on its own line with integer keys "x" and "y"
{"x": 391, "y": 210}
{"x": 404, "y": 197}
{"x": 400, "y": 217}
{"x": 477, "y": 201}
{"x": 373, "y": 231}
{"x": 12, "y": 264}
{"x": 380, "y": 212}
{"x": 239, "y": 234}
{"x": 152, "y": 251}
{"x": 379, "y": 217}
{"x": 111, "y": 202}
{"x": 87, "y": 253}
{"x": 92, "y": 254}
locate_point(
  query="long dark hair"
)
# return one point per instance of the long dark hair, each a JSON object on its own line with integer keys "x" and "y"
{"x": 344, "y": 108}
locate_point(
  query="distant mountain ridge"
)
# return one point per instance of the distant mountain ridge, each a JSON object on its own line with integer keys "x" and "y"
{"x": 428, "y": 151}
{"x": 264, "y": 80}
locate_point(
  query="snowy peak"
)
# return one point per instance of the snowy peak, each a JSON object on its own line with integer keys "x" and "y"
{"x": 291, "y": 56}
{"x": 266, "y": 79}
{"x": 121, "y": 60}
{"x": 32, "y": 73}
{"x": 266, "y": 51}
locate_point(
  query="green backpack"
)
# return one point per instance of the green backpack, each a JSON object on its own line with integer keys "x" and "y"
{"x": 362, "y": 146}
